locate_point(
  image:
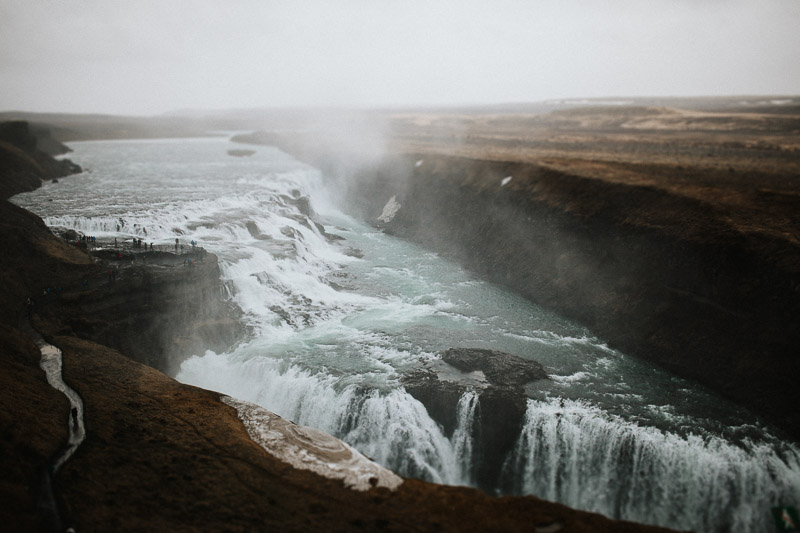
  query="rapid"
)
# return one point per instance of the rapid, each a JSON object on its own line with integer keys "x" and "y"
{"x": 338, "y": 312}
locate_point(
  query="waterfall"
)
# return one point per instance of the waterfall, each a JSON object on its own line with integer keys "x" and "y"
{"x": 463, "y": 435}
{"x": 389, "y": 426}
{"x": 574, "y": 453}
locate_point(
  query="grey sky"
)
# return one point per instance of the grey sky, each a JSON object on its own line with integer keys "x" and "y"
{"x": 148, "y": 57}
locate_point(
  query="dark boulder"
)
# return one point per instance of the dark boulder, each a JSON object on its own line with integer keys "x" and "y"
{"x": 501, "y": 369}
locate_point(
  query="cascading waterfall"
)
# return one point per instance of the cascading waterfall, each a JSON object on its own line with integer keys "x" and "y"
{"x": 463, "y": 434}
{"x": 337, "y": 322}
{"x": 390, "y": 426}
{"x": 576, "y": 454}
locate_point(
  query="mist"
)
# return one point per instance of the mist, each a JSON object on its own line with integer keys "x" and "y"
{"x": 150, "y": 57}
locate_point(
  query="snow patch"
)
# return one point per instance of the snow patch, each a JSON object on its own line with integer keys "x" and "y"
{"x": 390, "y": 210}
{"x": 311, "y": 449}
{"x": 52, "y": 364}
{"x": 505, "y": 181}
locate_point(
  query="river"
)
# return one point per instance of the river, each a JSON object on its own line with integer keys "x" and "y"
{"x": 339, "y": 312}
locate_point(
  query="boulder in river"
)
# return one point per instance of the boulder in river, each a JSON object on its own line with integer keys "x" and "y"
{"x": 499, "y": 380}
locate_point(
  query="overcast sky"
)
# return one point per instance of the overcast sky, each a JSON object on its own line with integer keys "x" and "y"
{"x": 148, "y": 57}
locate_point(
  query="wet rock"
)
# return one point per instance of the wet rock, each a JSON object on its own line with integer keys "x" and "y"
{"x": 499, "y": 379}
{"x": 324, "y": 233}
{"x": 303, "y": 204}
{"x": 70, "y": 235}
{"x": 501, "y": 369}
{"x": 354, "y": 252}
{"x": 252, "y": 228}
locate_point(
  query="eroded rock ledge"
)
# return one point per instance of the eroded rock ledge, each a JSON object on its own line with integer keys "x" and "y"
{"x": 498, "y": 379}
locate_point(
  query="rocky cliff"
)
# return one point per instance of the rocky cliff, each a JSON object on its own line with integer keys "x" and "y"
{"x": 155, "y": 307}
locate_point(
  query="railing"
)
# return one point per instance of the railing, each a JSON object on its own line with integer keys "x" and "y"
{"x": 132, "y": 246}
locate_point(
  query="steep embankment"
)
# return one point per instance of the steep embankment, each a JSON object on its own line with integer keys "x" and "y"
{"x": 156, "y": 309}
{"x": 159, "y": 455}
{"x": 698, "y": 287}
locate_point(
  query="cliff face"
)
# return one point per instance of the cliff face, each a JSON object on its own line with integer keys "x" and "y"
{"x": 662, "y": 276}
{"x": 154, "y": 307}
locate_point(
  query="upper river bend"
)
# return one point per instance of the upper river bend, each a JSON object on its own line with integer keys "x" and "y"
{"x": 339, "y": 313}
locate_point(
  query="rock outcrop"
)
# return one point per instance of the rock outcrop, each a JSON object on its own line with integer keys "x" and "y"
{"x": 156, "y": 307}
{"x": 498, "y": 379}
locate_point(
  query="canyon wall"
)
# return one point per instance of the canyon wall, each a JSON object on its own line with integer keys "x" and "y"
{"x": 660, "y": 275}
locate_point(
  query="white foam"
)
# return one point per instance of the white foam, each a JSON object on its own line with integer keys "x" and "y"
{"x": 574, "y": 453}
{"x": 572, "y": 378}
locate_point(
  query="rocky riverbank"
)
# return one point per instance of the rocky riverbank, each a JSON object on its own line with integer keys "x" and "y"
{"x": 160, "y": 455}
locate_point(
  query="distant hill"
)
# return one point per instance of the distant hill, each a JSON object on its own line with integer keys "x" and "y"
{"x": 193, "y": 122}
{"x": 23, "y": 165}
